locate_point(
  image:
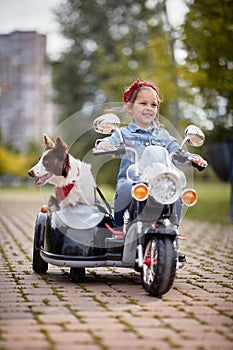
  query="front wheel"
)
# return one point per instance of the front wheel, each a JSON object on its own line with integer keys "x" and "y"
{"x": 159, "y": 267}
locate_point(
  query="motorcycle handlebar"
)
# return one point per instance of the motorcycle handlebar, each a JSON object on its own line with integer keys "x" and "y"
{"x": 178, "y": 156}
{"x": 198, "y": 167}
{"x": 118, "y": 151}
{"x": 181, "y": 157}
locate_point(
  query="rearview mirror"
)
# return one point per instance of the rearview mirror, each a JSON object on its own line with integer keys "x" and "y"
{"x": 106, "y": 123}
{"x": 194, "y": 136}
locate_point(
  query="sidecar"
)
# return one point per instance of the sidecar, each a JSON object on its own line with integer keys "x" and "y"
{"x": 75, "y": 237}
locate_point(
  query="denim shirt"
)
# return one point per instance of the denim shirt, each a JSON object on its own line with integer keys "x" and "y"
{"x": 139, "y": 139}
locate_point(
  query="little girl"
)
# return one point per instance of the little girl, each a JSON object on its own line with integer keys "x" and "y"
{"x": 142, "y": 102}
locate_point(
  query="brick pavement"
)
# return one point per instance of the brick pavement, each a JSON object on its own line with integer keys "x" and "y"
{"x": 111, "y": 310}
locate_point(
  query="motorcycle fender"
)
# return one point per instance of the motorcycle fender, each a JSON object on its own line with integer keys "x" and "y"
{"x": 130, "y": 245}
{"x": 167, "y": 231}
{"x": 40, "y": 226}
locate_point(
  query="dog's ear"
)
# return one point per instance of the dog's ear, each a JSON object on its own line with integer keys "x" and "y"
{"x": 48, "y": 144}
{"x": 60, "y": 148}
{"x": 59, "y": 143}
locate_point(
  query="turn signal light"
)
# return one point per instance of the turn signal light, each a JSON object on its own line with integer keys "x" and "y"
{"x": 44, "y": 209}
{"x": 189, "y": 197}
{"x": 140, "y": 192}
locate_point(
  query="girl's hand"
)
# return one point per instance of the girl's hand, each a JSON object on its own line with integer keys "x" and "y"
{"x": 105, "y": 146}
{"x": 199, "y": 161}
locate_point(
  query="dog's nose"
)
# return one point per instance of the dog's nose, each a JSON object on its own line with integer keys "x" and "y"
{"x": 31, "y": 173}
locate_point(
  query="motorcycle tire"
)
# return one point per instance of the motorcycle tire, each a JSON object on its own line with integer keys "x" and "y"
{"x": 38, "y": 264}
{"x": 77, "y": 274}
{"x": 159, "y": 268}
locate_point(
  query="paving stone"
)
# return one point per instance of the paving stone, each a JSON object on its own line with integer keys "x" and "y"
{"x": 110, "y": 310}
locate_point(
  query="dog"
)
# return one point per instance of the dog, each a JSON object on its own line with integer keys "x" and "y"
{"x": 72, "y": 178}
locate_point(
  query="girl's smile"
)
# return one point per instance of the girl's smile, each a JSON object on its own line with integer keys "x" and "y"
{"x": 145, "y": 107}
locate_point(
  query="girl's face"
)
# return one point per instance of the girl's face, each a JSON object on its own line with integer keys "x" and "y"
{"x": 144, "y": 108}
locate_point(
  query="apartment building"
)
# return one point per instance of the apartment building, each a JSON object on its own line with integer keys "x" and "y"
{"x": 26, "y": 108}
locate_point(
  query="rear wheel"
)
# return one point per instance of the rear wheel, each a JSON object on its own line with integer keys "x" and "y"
{"x": 77, "y": 274}
{"x": 159, "y": 267}
{"x": 38, "y": 264}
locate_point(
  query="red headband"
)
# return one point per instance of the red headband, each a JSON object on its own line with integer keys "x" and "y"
{"x": 137, "y": 84}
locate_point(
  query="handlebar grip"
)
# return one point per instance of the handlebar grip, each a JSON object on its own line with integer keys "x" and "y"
{"x": 97, "y": 152}
{"x": 180, "y": 156}
{"x": 198, "y": 167}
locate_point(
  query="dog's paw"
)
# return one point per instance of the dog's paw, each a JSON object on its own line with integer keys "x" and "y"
{"x": 53, "y": 204}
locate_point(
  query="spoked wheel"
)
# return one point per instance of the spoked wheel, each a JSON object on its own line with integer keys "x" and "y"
{"x": 38, "y": 264}
{"x": 159, "y": 267}
{"x": 77, "y": 274}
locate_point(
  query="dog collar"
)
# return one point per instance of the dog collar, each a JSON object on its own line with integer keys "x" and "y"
{"x": 62, "y": 192}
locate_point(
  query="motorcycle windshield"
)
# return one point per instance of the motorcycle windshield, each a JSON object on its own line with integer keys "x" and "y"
{"x": 156, "y": 169}
{"x": 80, "y": 216}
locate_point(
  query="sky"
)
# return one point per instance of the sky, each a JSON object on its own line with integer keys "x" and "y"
{"x": 37, "y": 15}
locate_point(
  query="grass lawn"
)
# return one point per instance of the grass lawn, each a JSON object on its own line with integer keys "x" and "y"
{"x": 213, "y": 203}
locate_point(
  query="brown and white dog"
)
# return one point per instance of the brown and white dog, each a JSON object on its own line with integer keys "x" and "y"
{"x": 72, "y": 178}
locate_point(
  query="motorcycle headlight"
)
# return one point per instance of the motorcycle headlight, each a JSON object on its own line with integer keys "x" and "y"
{"x": 165, "y": 188}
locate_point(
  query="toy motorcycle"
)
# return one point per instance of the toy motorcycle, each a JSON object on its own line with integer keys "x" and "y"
{"x": 83, "y": 236}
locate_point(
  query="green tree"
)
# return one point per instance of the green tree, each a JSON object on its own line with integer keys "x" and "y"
{"x": 111, "y": 44}
{"x": 208, "y": 37}
{"x": 208, "y": 69}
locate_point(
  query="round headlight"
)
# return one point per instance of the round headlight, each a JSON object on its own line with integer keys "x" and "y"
{"x": 165, "y": 188}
